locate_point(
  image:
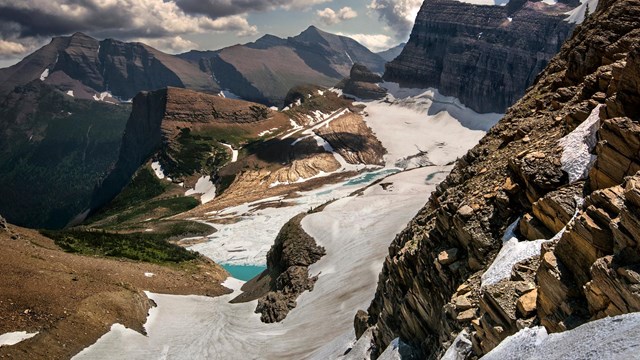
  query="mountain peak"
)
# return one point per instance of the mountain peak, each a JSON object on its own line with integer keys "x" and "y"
{"x": 80, "y": 35}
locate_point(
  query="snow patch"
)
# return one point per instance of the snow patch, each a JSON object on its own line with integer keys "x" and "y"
{"x": 349, "y": 56}
{"x": 577, "y": 146}
{"x": 13, "y": 338}
{"x": 611, "y": 338}
{"x": 294, "y": 129}
{"x": 102, "y": 96}
{"x": 267, "y": 132}
{"x": 70, "y": 93}
{"x": 157, "y": 169}
{"x": 460, "y": 348}
{"x": 577, "y": 15}
{"x": 205, "y": 187}
{"x": 234, "y": 152}
{"x": 512, "y": 252}
{"x": 149, "y": 274}
{"x": 44, "y": 75}
{"x": 228, "y": 95}
{"x": 485, "y": 2}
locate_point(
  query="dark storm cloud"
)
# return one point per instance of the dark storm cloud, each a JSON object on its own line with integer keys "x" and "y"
{"x": 112, "y": 18}
{"x": 219, "y": 8}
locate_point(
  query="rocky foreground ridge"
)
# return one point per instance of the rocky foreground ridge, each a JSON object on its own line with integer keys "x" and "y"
{"x": 571, "y": 253}
{"x": 486, "y": 56}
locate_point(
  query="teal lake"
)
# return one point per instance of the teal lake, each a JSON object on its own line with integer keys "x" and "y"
{"x": 243, "y": 272}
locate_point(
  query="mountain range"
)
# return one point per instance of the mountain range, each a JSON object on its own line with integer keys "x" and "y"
{"x": 261, "y": 71}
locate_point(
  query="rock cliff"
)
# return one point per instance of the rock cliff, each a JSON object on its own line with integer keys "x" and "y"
{"x": 536, "y": 225}
{"x": 362, "y": 83}
{"x": 486, "y": 56}
{"x": 185, "y": 130}
{"x": 287, "y": 274}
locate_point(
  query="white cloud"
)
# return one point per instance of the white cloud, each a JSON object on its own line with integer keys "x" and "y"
{"x": 399, "y": 14}
{"x": 331, "y": 17}
{"x": 10, "y": 48}
{"x": 236, "y": 23}
{"x": 374, "y": 42}
{"x": 172, "y": 45}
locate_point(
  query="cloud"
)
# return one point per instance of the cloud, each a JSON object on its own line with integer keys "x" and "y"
{"x": 221, "y": 8}
{"x": 10, "y": 48}
{"x": 398, "y": 14}
{"x": 123, "y": 19}
{"x": 172, "y": 45}
{"x": 331, "y": 17}
{"x": 374, "y": 42}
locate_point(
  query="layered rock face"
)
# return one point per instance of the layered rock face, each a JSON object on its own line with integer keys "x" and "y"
{"x": 486, "y": 56}
{"x": 571, "y": 252}
{"x": 363, "y": 83}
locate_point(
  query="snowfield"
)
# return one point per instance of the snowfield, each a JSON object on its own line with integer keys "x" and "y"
{"x": 355, "y": 231}
{"x": 610, "y": 338}
{"x": 421, "y": 127}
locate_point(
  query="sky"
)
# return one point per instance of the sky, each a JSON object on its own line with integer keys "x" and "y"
{"x": 177, "y": 26}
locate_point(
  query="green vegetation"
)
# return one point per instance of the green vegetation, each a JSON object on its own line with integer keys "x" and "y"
{"x": 138, "y": 199}
{"x": 228, "y": 134}
{"x": 147, "y": 247}
{"x": 193, "y": 153}
{"x": 54, "y": 149}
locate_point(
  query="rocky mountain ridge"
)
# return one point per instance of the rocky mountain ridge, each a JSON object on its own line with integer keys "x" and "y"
{"x": 459, "y": 269}
{"x": 265, "y": 70}
{"x": 486, "y": 56}
{"x": 110, "y": 70}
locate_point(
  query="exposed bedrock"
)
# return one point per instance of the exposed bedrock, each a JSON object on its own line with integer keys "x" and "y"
{"x": 430, "y": 288}
{"x": 287, "y": 275}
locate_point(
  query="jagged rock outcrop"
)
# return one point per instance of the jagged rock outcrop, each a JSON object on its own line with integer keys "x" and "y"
{"x": 287, "y": 274}
{"x": 486, "y": 56}
{"x": 432, "y": 285}
{"x": 363, "y": 83}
